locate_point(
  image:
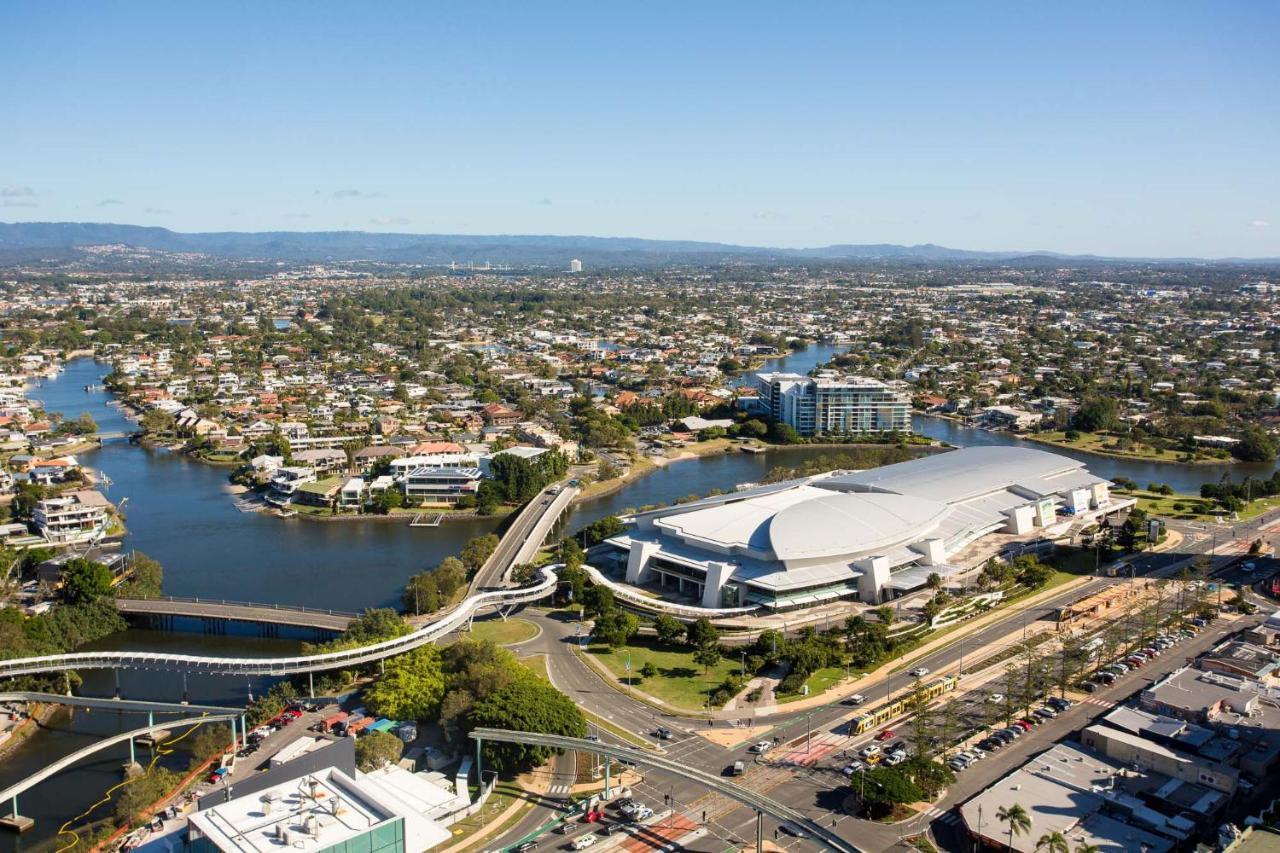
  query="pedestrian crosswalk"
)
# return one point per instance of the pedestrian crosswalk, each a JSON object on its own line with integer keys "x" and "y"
{"x": 558, "y": 790}
{"x": 950, "y": 818}
{"x": 1101, "y": 703}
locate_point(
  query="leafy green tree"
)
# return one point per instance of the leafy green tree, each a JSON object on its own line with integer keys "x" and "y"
{"x": 707, "y": 656}
{"x": 1255, "y": 445}
{"x": 525, "y": 703}
{"x": 377, "y": 750}
{"x": 1095, "y": 414}
{"x": 477, "y": 551}
{"x": 146, "y": 576}
{"x": 386, "y": 501}
{"x": 884, "y": 787}
{"x": 701, "y": 633}
{"x": 615, "y": 627}
{"x": 668, "y": 629}
{"x": 84, "y": 580}
{"x": 411, "y": 688}
{"x": 597, "y": 600}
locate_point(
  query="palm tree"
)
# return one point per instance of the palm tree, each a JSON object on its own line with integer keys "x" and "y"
{"x": 1088, "y": 848}
{"x": 1053, "y": 842}
{"x": 1017, "y": 818}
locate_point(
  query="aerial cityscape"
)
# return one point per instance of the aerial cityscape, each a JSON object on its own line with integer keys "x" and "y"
{"x": 727, "y": 428}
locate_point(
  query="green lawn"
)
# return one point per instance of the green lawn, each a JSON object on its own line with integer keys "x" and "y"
{"x": 680, "y": 682}
{"x": 506, "y": 633}
{"x": 1106, "y": 444}
{"x": 819, "y": 682}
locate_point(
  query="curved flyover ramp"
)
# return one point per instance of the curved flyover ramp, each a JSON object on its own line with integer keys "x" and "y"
{"x": 428, "y": 633}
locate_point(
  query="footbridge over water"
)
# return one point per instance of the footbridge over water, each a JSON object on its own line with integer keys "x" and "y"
{"x": 15, "y": 820}
{"x": 432, "y": 631}
{"x": 215, "y": 613}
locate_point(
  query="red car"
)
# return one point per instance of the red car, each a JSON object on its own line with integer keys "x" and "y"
{"x": 885, "y": 735}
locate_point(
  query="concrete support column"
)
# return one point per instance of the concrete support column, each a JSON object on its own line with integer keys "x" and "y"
{"x": 932, "y": 551}
{"x": 638, "y": 561}
{"x": 759, "y": 832}
{"x": 1020, "y": 520}
{"x": 717, "y": 574}
{"x": 875, "y": 574}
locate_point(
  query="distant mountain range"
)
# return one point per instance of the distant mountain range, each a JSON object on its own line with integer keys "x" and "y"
{"x": 25, "y": 238}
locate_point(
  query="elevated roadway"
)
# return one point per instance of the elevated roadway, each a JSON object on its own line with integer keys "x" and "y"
{"x": 525, "y": 535}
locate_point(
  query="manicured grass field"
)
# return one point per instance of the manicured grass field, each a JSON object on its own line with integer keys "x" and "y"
{"x": 820, "y": 681}
{"x": 503, "y": 633}
{"x": 1098, "y": 443}
{"x": 680, "y": 682}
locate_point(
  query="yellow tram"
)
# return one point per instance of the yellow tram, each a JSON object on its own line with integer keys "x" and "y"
{"x": 864, "y": 723}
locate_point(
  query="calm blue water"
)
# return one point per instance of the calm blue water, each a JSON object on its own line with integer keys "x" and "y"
{"x": 1183, "y": 478}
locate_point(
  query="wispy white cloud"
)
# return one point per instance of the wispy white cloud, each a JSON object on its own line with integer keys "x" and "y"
{"x": 297, "y": 216}
{"x": 155, "y": 211}
{"x": 1259, "y": 223}
{"x": 388, "y": 220}
{"x": 108, "y": 202}
{"x": 355, "y": 194}
{"x": 768, "y": 216}
{"x": 13, "y": 191}
{"x": 17, "y": 202}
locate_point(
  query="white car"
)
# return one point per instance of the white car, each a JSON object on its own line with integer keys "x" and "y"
{"x": 895, "y": 758}
{"x": 919, "y": 672}
{"x": 995, "y": 697}
{"x": 642, "y": 813}
{"x": 761, "y": 747}
{"x": 870, "y": 750}
{"x": 854, "y": 767}
{"x": 584, "y": 841}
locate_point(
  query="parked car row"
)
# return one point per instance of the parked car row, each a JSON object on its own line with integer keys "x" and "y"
{"x": 1052, "y": 707}
{"x": 1107, "y": 675}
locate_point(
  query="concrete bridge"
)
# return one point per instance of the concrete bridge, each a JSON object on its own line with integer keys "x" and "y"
{"x": 217, "y": 612}
{"x": 525, "y": 536}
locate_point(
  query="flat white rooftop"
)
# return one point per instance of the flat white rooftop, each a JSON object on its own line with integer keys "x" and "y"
{"x": 314, "y": 812}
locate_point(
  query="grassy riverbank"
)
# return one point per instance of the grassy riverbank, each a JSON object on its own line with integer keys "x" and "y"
{"x": 1109, "y": 445}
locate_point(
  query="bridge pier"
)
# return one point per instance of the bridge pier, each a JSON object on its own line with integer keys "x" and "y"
{"x": 15, "y": 822}
{"x": 186, "y": 697}
{"x": 116, "y": 673}
{"x": 759, "y": 832}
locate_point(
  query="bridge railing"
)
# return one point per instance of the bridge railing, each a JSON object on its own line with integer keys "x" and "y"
{"x": 225, "y": 602}
{"x": 429, "y": 633}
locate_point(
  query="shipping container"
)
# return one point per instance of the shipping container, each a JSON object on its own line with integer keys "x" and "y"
{"x": 330, "y": 722}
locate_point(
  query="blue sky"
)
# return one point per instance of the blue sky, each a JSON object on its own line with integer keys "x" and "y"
{"x": 1116, "y": 128}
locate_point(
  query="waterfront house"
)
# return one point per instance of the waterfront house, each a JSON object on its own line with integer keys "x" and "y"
{"x": 72, "y": 517}
{"x": 353, "y": 493}
{"x": 321, "y": 493}
{"x": 322, "y": 459}
{"x": 440, "y": 485}
{"x": 285, "y": 482}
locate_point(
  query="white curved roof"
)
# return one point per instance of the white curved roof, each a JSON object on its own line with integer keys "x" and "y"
{"x": 971, "y": 472}
{"x": 852, "y": 523}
